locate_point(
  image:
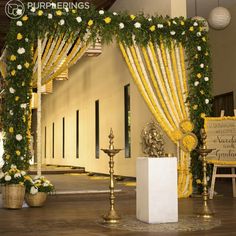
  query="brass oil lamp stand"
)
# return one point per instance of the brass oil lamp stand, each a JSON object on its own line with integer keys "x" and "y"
{"x": 111, "y": 217}
{"x": 205, "y": 210}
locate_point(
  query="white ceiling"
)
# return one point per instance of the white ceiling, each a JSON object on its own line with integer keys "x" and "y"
{"x": 203, "y": 7}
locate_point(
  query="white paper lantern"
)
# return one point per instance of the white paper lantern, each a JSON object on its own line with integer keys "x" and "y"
{"x": 219, "y": 18}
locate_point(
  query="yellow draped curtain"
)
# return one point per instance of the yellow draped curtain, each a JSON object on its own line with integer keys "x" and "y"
{"x": 159, "y": 71}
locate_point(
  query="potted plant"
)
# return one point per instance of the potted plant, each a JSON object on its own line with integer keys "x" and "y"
{"x": 13, "y": 189}
{"x": 37, "y": 189}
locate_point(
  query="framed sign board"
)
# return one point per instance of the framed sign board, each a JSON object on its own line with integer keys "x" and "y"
{"x": 221, "y": 136}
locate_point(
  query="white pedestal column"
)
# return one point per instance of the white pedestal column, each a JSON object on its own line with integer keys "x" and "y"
{"x": 157, "y": 195}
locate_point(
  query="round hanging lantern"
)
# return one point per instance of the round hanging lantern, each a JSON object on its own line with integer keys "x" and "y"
{"x": 204, "y": 22}
{"x": 219, "y": 18}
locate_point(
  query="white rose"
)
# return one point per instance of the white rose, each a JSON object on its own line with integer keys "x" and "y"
{"x": 19, "y": 12}
{"x": 12, "y": 90}
{"x": 7, "y": 178}
{"x": 159, "y": 26}
{"x": 207, "y": 101}
{"x": 21, "y": 51}
{"x": 23, "y": 105}
{"x": 26, "y": 40}
{"x": 67, "y": 9}
{"x": 19, "y": 137}
{"x": 45, "y": 184}
{"x": 174, "y": 22}
{"x": 23, "y": 173}
{"x": 13, "y": 166}
{"x": 49, "y": 16}
{"x": 114, "y": 13}
{"x": 101, "y": 12}
{"x": 196, "y": 83}
{"x": 1, "y": 175}
{"x": 137, "y": 25}
{"x": 121, "y": 25}
{"x": 19, "y": 67}
{"x": 17, "y": 175}
{"x": 199, "y": 34}
{"x": 33, "y": 190}
{"x": 79, "y": 19}
{"x": 183, "y": 33}
{"x": 172, "y": 32}
{"x": 199, "y": 48}
{"x": 22, "y": 158}
{"x": 195, "y": 24}
{"x": 19, "y": 23}
{"x": 11, "y": 112}
{"x": 61, "y": 22}
{"x": 149, "y": 19}
{"x": 206, "y": 78}
{"x": 202, "y": 65}
{"x": 33, "y": 9}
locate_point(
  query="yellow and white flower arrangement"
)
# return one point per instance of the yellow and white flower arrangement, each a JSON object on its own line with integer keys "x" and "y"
{"x": 38, "y": 184}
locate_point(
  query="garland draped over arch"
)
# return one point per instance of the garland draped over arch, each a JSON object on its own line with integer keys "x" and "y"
{"x": 155, "y": 41}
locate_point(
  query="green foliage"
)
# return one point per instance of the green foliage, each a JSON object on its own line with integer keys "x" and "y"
{"x": 107, "y": 26}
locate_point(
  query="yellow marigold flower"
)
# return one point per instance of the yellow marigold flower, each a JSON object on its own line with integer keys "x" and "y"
{"x": 198, "y": 181}
{"x": 191, "y": 28}
{"x": 189, "y": 142}
{"x": 7, "y": 157}
{"x": 132, "y": 17}
{"x": 200, "y": 28}
{"x": 199, "y": 75}
{"x": 186, "y": 126}
{"x": 27, "y": 177}
{"x": 203, "y": 115}
{"x": 202, "y": 92}
{"x": 177, "y": 134}
{"x": 59, "y": 13}
{"x": 206, "y": 54}
{"x": 23, "y": 84}
{"x": 107, "y": 20}
{"x": 195, "y": 107}
{"x": 12, "y": 58}
{"x": 24, "y": 119}
{"x": 21, "y": 183}
{"x": 11, "y": 130}
{"x": 31, "y": 83}
{"x": 182, "y": 22}
{"x": 27, "y": 65}
{"x": 13, "y": 72}
{"x": 152, "y": 28}
{"x": 25, "y": 18}
{"x": 169, "y": 23}
{"x": 17, "y": 152}
{"x": 196, "y": 56}
{"x": 19, "y": 36}
{"x": 73, "y": 11}
{"x": 203, "y": 39}
{"x": 17, "y": 98}
{"x": 90, "y": 22}
{"x": 40, "y": 12}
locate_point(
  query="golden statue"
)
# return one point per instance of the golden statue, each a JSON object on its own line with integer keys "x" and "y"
{"x": 152, "y": 140}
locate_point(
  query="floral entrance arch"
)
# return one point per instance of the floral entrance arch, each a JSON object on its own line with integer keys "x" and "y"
{"x": 133, "y": 33}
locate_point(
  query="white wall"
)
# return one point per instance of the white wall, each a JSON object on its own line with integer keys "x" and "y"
{"x": 223, "y": 46}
